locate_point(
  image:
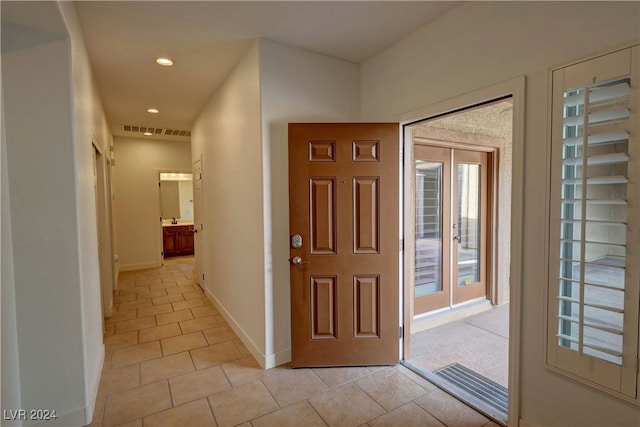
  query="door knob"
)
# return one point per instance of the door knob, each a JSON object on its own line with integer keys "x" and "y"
{"x": 296, "y": 260}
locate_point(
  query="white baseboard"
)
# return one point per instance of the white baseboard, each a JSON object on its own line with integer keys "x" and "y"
{"x": 132, "y": 267}
{"x": 265, "y": 361}
{"x": 94, "y": 387}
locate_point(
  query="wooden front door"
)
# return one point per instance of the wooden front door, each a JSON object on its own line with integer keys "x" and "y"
{"x": 344, "y": 247}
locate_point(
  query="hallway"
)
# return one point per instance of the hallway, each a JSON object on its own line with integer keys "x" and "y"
{"x": 172, "y": 360}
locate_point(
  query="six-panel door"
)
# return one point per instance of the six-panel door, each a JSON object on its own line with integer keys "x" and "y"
{"x": 344, "y": 204}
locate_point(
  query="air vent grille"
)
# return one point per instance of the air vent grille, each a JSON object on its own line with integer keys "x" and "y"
{"x": 155, "y": 131}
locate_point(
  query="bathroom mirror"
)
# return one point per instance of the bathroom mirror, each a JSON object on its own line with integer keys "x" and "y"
{"x": 176, "y": 196}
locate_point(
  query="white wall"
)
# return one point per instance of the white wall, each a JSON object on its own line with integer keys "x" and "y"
{"x": 137, "y": 197}
{"x": 475, "y": 46}
{"x": 227, "y": 134}
{"x": 296, "y": 86}
{"x": 10, "y": 391}
{"x": 49, "y": 242}
{"x": 89, "y": 127}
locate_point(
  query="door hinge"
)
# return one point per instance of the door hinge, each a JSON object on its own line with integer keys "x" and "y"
{"x": 158, "y": 183}
{"x": 202, "y": 276}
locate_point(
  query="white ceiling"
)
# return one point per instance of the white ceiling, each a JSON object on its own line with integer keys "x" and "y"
{"x": 207, "y": 38}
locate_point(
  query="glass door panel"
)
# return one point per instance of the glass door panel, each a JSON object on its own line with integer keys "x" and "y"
{"x": 432, "y": 218}
{"x": 468, "y": 224}
{"x": 469, "y": 234}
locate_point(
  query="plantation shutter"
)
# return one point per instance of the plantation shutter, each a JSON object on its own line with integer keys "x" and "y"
{"x": 594, "y": 254}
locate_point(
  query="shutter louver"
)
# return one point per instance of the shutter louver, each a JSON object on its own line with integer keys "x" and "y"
{"x": 593, "y": 265}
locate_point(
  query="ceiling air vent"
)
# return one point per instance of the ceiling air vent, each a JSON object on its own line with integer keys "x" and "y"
{"x": 155, "y": 131}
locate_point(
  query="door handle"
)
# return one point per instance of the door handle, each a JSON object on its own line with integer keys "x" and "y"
{"x": 296, "y": 260}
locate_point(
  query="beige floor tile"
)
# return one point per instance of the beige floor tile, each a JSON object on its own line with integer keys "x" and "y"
{"x": 124, "y": 298}
{"x": 165, "y": 367}
{"x": 242, "y": 404}
{"x": 449, "y": 410}
{"x": 98, "y": 412}
{"x": 116, "y": 341}
{"x": 334, "y": 377}
{"x": 148, "y": 294}
{"x": 199, "y": 324}
{"x": 194, "y": 414}
{"x": 167, "y": 299}
{"x": 132, "y": 305}
{"x": 390, "y": 388}
{"x": 153, "y": 310}
{"x": 244, "y": 351}
{"x": 193, "y": 294}
{"x": 119, "y": 379}
{"x": 204, "y": 311}
{"x": 148, "y": 282}
{"x": 243, "y": 371}
{"x": 183, "y": 343}
{"x": 135, "y": 324}
{"x": 136, "y": 403}
{"x": 198, "y": 384}
{"x": 183, "y": 305}
{"x": 300, "y": 414}
{"x": 159, "y": 332}
{"x": 162, "y": 285}
{"x": 119, "y": 316}
{"x": 109, "y": 329}
{"x": 346, "y": 405}
{"x": 415, "y": 377}
{"x": 408, "y": 415}
{"x": 134, "y": 423}
{"x": 219, "y": 334}
{"x": 180, "y": 289}
{"x": 174, "y": 317}
{"x": 289, "y": 386}
{"x": 136, "y": 354}
{"x": 214, "y": 354}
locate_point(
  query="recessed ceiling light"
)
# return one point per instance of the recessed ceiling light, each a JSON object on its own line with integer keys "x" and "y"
{"x": 164, "y": 61}
{"x": 147, "y": 134}
{"x": 153, "y": 110}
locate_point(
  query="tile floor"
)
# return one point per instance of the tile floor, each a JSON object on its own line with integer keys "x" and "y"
{"x": 172, "y": 360}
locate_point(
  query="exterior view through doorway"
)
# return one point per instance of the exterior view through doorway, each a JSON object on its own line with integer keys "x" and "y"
{"x": 457, "y": 252}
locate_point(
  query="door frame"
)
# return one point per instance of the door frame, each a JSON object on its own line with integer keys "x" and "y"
{"x": 516, "y": 89}
{"x": 159, "y": 242}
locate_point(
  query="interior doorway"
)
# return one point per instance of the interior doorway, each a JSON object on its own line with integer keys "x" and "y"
{"x": 457, "y": 243}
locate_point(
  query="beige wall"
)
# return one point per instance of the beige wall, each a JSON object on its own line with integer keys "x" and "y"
{"x": 137, "y": 198}
{"x": 478, "y": 45}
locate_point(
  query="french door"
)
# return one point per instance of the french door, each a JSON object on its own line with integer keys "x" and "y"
{"x": 451, "y": 212}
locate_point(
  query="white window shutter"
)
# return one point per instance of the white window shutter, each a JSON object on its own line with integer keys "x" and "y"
{"x": 594, "y": 252}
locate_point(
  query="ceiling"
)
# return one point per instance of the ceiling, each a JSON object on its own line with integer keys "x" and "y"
{"x": 206, "y": 39}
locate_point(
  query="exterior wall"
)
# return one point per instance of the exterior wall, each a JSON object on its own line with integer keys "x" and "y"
{"x": 480, "y": 44}
{"x": 296, "y": 86}
{"x": 137, "y": 197}
{"x": 227, "y": 137}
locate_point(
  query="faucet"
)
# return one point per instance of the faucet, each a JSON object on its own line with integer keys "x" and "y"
{"x": 174, "y": 221}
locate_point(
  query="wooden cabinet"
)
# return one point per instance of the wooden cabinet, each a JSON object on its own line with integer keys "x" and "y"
{"x": 177, "y": 240}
